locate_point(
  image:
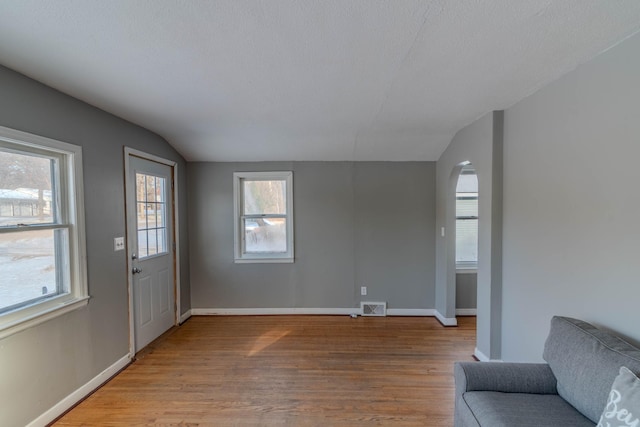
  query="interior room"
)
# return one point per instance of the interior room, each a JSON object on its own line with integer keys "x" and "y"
{"x": 257, "y": 172}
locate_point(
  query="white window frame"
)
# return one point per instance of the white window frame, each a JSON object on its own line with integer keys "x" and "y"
{"x": 240, "y": 256}
{"x": 71, "y": 198}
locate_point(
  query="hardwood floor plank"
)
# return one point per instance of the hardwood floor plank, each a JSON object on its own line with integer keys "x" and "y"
{"x": 288, "y": 371}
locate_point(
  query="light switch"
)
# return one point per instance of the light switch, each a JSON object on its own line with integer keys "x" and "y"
{"x": 118, "y": 244}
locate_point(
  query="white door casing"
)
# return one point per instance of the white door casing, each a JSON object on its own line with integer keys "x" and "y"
{"x": 150, "y": 247}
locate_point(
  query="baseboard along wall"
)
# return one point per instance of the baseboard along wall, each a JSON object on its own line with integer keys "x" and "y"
{"x": 446, "y": 321}
{"x": 426, "y": 312}
{"x": 184, "y": 316}
{"x": 82, "y": 392}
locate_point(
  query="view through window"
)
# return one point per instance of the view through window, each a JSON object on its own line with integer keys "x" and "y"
{"x": 264, "y": 215}
{"x": 467, "y": 219}
{"x": 33, "y": 231}
{"x": 41, "y": 229}
{"x": 152, "y": 213}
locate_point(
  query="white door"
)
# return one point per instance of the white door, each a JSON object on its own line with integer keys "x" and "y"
{"x": 150, "y": 237}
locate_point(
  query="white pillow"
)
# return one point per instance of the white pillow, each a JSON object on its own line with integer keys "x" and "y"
{"x": 623, "y": 406}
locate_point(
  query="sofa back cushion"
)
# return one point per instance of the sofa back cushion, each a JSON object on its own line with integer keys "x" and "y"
{"x": 585, "y": 361}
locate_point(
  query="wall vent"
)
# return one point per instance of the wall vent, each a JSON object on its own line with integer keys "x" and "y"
{"x": 373, "y": 308}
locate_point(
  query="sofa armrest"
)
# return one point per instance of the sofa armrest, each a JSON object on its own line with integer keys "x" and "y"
{"x": 534, "y": 378}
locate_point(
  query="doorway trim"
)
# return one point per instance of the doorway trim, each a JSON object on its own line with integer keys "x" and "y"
{"x": 132, "y": 152}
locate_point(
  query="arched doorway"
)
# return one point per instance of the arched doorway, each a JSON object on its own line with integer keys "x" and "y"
{"x": 466, "y": 241}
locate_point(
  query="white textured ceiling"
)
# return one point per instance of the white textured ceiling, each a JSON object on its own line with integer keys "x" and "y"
{"x": 239, "y": 80}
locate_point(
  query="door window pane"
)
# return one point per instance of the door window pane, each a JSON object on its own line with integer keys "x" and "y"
{"x": 151, "y": 215}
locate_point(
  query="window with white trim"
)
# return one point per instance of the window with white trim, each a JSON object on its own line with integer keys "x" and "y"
{"x": 467, "y": 219}
{"x": 263, "y": 208}
{"x": 42, "y": 249}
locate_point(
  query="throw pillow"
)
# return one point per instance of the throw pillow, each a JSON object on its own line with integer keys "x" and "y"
{"x": 623, "y": 406}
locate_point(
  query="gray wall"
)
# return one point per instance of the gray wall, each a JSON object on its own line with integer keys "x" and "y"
{"x": 466, "y": 290}
{"x": 43, "y": 364}
{"x": 481, "y": 144}
{"x": 356, "y": 224}
{"x": 571, "y": 203}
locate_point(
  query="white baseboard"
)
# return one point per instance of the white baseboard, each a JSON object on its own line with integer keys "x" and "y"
{"x": 446, "y": 321}
{"x": 426, "y": 312}
{"x": 271, "y": 311}
{"x": 185, "y": 316}
{"x": 466, "y": 311}
{"x": 68, "y": 402}
{"x": 421, "y": 312}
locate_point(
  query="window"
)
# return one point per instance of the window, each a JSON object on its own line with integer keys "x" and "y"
{"x": 467, "y": 220}
{"x": 263, "y": 216}
{"x": 151, "y": 215}
{"x": 42, "y": 248}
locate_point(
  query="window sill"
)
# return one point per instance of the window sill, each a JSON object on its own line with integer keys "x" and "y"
{"x": 11, "y": 327}
{"x": 263, "y": 260}
{"x": 466, "y": 270}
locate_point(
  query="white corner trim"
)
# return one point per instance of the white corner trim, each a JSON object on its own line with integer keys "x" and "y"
{"x": 271, "y": 311}
{"x": 483, "y": 358}
{"x": 65, "y": 404}
{"x": 446, "y": 321}
{"x": 421, "y": 312}
{"x": 185, "y": 316}
{"x": 466, "y": 311}
{"x": 480, "y": 355}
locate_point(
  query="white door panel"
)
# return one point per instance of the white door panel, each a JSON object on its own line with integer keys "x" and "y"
{"x": 150, "y": 221}
{"x": 144, "y": 301}
{"x": 164, "y": 290}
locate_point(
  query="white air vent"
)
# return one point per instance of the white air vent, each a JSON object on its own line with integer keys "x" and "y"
{"x": 374, "y": 308}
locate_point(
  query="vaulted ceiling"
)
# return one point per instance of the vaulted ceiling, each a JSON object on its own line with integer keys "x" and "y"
{"x": 240, "y": 80}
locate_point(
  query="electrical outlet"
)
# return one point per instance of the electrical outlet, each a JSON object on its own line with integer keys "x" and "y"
{"x": 118, "y": 244}
{"x": 363, "y": 290}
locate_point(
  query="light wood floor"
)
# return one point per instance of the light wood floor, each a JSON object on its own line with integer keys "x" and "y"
{"x": 288, "y": 371}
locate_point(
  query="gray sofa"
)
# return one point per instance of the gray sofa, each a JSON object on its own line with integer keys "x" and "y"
{"x": 571, "y": 389}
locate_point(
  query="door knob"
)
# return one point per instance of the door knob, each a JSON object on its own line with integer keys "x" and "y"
{"x": 136, "y": 270}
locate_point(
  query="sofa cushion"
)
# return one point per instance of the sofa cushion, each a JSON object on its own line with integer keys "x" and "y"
{"x": 495, "y": 409}
{"x": 624, "y": 401}
{"x": 585, "y": 361}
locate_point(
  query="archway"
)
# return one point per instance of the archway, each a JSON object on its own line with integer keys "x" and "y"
{"x": 466, "y": 241}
